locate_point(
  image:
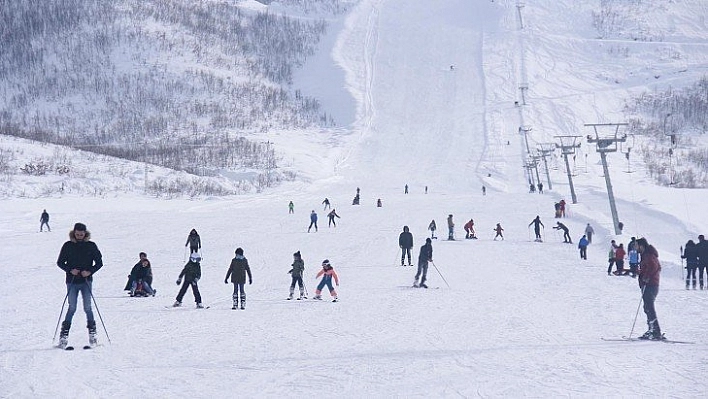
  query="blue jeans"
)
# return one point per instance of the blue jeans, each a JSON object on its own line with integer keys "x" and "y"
{"x": 146, "y": 287}
{"x": 73, "y": 296}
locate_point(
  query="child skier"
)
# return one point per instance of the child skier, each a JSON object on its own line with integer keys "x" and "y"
{"x": 191, "y": 272}
{"x": 432, "y": 227}
{"x": 327, "y": 273}
{"x": 296, "y": 274}
{"x": 238, "y": 270}
{"x": 499, "y": 230}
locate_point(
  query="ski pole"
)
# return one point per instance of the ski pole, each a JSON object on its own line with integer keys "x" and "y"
{"x": 60, "y": 313}
{"x": 99, "y": 315}
{"x": 681, "y": 251}
{"x": 441, "y": 276}
{"x": 637, "y": 314}
{"x": 305, "y": 287}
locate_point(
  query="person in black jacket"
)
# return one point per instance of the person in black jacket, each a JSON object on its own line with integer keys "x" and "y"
{"x": 80, "y": 259}
{"x": 425, "y": 256}
{"x": 702, "y": 248}
{"x": 537, "y": 224}
{"x": 191, "y": 272}
{"x": 690, "y": 253}
{"x": 194, "y": 241}
{"x": 405, "y": 241}
{"x": 139, "y": 285}
{"x": 566, "y": 234}
{"x": 238, "y": 270}
{"x": 44, "y": 220}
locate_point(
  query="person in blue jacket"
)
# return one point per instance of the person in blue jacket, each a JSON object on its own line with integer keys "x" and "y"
{"x": 583, "y": 246}
{"x": 313, "y": 221}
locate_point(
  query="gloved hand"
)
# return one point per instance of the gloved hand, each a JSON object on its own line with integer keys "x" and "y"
{"x": 250, "y": 281}
{"x": 196, "y": 280}
{"x": 226, "y": 281}
{"x": 179, "y": 281}
{"x": 290, "y": 271}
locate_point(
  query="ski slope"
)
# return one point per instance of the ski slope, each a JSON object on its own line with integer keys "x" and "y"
{"x": 511, "y": 318}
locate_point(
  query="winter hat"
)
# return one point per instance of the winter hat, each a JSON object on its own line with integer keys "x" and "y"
{"x": 428, "y": 240}
{"x": 325, "y": 262}
{"x": 239, "y": 251}
{"x": 79, "y": 227}
{"x": 297, "y": 254}
{"x": 195, "y": 257}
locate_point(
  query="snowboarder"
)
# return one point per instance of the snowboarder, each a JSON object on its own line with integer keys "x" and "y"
{"x": 499, "y": 230}
{"x": 44, "y": 220}
{"x": 331, "y": 217}
{"x": 690, "y": 253}
{"x": 313, "y": 221}
{"x": 326, "y": 204}
{"x": 583, "y": 246}
{"x": 327, "y": 273}
{"x": 649, "y": 275}
{"x": 194, "y": 241}
{"x": 537, "y": 224}
{"x": 702, "y": 248}
{"x": 450, "y": 228}
{"x": 566, "y": 234}
{"x": 80, "y": 258}
{"x": 405, "y": 189}
{"x": 432, "y": 227}
{"x": 291, "y": 207}
{"x": 238, "y": 270}
{"x": 589, "y": 231}
{"x": 191, "y": 272}
{"x": 298, "y": 268}
{"x": 425, "y": 256}
{"x": 469, "y": 230}
{"x": 405, "y": 241}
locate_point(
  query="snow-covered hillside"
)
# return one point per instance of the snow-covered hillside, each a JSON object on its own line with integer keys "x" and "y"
{"x": 504, "y": 318}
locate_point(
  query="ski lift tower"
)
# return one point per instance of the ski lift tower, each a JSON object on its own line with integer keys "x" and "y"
{"x": 544, "y": 150}
{"x": 568, "y": 145}
{"x": 603, "y": 144}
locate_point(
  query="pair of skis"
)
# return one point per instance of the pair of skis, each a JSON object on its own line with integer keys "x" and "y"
{"x": 637, "y": 339}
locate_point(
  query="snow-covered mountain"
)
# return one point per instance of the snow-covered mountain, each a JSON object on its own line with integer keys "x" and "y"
{"x": 432, "y": 88}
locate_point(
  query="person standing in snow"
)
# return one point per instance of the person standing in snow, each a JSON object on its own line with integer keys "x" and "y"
{"x": 583, "y": 246}
{"x": 649, "y": 273}
{"x": 326, "y": 204}
{"x": 425, "y": 256}
{"x": 498, "y": 230}
{"x": 298, "y": 268}
{"x": 44, "y": 221}
{"x": 484, "y": 190}
{"x": 378, "y": 203}
{"x": 562, "y": 207}
{"x": 589, "y": 231}
{"x": 191, "y": 272}
{"x": 405, "y": 241}
{"x": 566, "y": 233}
{"x": 540, "y": 188}
{"x": 194, "y": 241}
{"x": 238, "y": 270}
{"x": 690, "y": 253}
{"x": 432, "y": 227}
{"x": 450, "y": 228}
{"x": 537, "y": 227}
{"x": 702, "y": 248}
{"x": 313, "y": 221}
{"x": 611, "y": 257}
{"x": 327, "y": 273}
{"x": 80, "y": 259}
{"x": 619, "y": 261}
{"x": 469, "y": 229}
{"x": 331, "y": 217}
{"x": 633, "y": 258}
{"x": 291, "y": 207}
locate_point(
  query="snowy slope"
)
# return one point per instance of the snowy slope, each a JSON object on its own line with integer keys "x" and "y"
{"x": 518, "y": 319}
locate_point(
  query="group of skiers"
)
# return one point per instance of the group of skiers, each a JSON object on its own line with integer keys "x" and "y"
{"x": 696, "y": 255}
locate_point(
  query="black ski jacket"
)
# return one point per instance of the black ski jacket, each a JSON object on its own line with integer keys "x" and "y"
{"x": 83, "y": 255}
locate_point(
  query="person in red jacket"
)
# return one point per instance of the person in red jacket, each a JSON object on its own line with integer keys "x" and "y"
{"x": 327, "y": 273}
{"x": 649, "y": 271}
{"x": 469, "y": 230}
{"x": 620, "y": 253}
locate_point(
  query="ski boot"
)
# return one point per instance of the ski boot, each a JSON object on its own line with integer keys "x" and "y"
{"x": 317, "y": 297}
{"x": 243, "y": 302}
{"x": 64, "y": 335}
{"x": 177, "y": 304}
{"x": 422, "y": 285}
{"x": 199, "y": 305}
{"x": 91, "y": 325}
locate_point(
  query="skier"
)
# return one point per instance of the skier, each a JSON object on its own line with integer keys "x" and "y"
{"x": 611, "y": 257}
{"x": 690, "y": 253}
{"x": 405, "y": 190}
{"x": 405, "y": 241}
{"x": 484, "y": 190}
{"x": 566, "y": 234}
{"x": 537, "y": 224}
{"x": 331, "y": 217}
{"x": 291, "y": 207}
{"x": 139, "y": 285}
{"x": 450, "y": 228}
{"x": 326, "y": 204}
{"x": 633, "y": 257}
{"x": 532, "y": 188}
{"x": 432, "y": 227}
{"x": 44, "y": 220}
{"x": 426, "y": 189}
{"x": 378, "y": 203}
{"x": 619, "y": 261}
{"x": 313, "y": 221}
{"x": 540, "y": 188}
{"x": 296, "y": 274}
{"x": 80, "y": 258}
{"x": 327, "y": 273}
{"x": 191, "y": 272}
{"x": 589, "y": 231}
{"x": 425, "y": 256}
{"x": 469, "y": 230}
{"x": 649, "y": 275}
{"x": 583, "y": 246}
{"x": 194, "y": 241}
{"x": 238, "y": 270}
{"x": 499, "y": 230}
{"x": 356, "y": 200}
{"x": 702, "y": 248}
